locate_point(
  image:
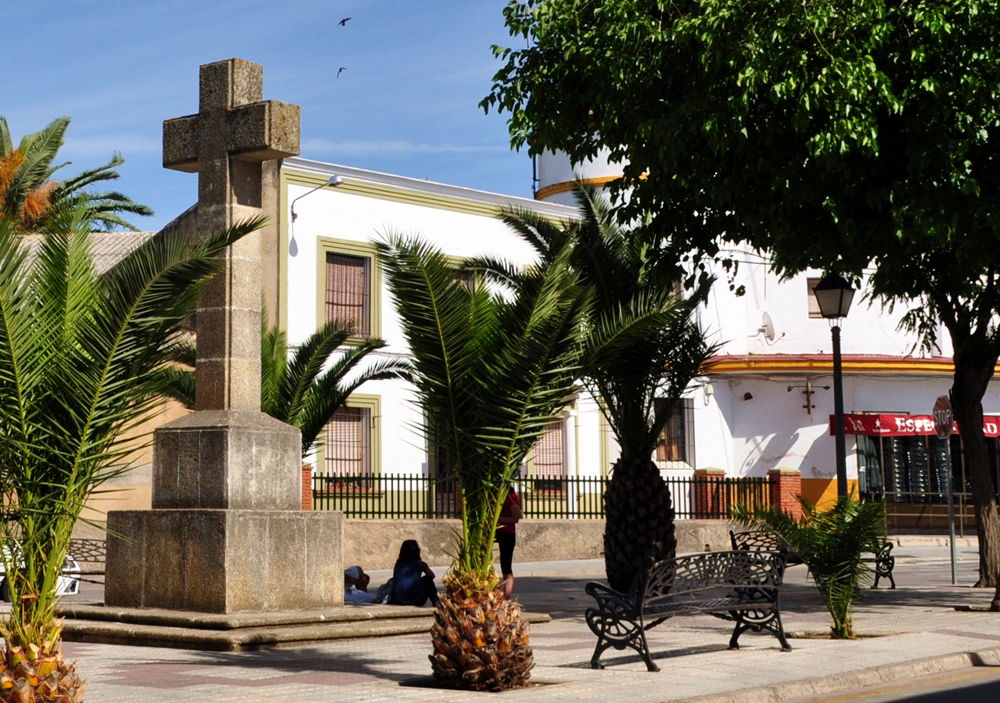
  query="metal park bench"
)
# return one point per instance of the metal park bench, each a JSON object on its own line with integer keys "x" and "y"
{"x": 740, "y": 586}
{"x": 756, "y": 540}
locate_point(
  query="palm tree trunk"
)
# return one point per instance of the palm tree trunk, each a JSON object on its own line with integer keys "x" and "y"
{"x": 639, "y": 528}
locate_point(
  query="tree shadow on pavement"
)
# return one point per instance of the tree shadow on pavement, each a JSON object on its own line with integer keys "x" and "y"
{"x": 313, "y": 660}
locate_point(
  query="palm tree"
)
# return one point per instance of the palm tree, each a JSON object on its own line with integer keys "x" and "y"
{"x": 31, "y": 197}
{"x": 491, "y": 371}
{"x": 830, "y": 542}
{"x": 78, "y": 359}
{"x": 639, "y": 385}
{"x": 297, "y": 391}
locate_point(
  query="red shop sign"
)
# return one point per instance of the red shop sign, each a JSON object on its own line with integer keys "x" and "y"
{"x": 891, "y": 425}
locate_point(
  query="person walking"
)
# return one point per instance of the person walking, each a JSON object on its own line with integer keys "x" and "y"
{"x": 506, "y": 537}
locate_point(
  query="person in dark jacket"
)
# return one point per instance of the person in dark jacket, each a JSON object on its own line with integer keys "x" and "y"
{"x": 506, "y": 538}
{"x": 412, "y": 579}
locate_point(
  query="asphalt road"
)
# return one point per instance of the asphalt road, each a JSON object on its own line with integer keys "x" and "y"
{"x": 978, "y": 685}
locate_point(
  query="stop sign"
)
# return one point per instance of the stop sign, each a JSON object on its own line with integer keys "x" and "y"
{"x": 942, "y": 417}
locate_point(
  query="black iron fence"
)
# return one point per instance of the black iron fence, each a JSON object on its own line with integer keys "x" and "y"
{"x": 414, "y": 497}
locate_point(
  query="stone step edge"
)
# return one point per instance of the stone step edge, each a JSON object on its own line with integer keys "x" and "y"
{"x": 275, "y": 635}
{"x": 241, "y": 620}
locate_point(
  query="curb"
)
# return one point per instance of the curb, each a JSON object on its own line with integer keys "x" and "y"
{"x": 851, "y": 680}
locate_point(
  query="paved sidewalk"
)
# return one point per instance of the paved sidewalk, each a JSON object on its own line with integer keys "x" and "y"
{"x": 910, "y": 631}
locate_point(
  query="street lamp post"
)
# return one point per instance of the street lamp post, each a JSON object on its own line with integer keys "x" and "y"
{"x": 834, "y": 296}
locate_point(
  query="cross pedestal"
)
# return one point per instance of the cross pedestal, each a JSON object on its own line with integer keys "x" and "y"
{"x": 227, "y": 532}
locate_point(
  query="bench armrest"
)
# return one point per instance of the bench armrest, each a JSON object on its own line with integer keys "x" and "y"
{"x": 611, "y": 602}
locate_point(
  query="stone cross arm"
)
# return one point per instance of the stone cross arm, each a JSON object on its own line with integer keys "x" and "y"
{"x": 259, "y": 131}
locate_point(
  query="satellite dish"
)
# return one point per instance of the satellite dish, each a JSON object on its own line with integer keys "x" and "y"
{"x": 767, "y": 328}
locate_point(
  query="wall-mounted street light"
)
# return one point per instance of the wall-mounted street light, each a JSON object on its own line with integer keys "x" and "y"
{"x": 293, "y": 247}
{"x": 834, "y": 296}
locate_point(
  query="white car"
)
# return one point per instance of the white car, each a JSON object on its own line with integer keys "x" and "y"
{"x": 68, "y": 584}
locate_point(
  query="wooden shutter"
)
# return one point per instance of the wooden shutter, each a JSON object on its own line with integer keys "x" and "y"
{"x": 347, "y": 447}
{"x": 348, "y": 291}
{"x": 549, "y": 455}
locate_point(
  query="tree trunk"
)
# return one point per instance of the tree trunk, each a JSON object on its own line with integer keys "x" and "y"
{"x": 974, "y": 367}
{"x": 639, "y": 515}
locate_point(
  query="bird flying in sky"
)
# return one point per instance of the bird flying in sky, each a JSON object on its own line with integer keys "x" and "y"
{"x": 341, "y": 70}
{"x": 343, "y": 22}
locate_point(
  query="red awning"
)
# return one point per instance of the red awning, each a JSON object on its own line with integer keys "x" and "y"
{"x": 891, "y": 425}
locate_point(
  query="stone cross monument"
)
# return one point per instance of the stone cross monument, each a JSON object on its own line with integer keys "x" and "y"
{"x": 226, "y": 532}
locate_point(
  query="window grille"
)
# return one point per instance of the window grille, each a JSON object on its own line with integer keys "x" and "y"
{"x": 347, "y": 449}
{"x": 348, "y": 291}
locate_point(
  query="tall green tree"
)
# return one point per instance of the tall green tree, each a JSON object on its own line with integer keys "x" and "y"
{"x": 829, "y": 135}
{"x": 31, "y": 195}
{"x": 633, "y": 276}
{"x": 79, "y": 355}
{"x": 491, "y": 371}
{"x": 295, "y": 388}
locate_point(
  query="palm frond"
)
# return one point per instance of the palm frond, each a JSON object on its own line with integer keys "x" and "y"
{"x": 491, "y": 371}
{"x": 81, "y": 363}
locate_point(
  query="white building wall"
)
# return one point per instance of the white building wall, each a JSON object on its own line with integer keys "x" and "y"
{"x": 772, "y": 429}
{"x": 362, "y": 210}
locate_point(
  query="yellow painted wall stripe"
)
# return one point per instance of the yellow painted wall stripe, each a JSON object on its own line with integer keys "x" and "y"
{"x": 567, "y": 186}
{"x": 943, "y": 367}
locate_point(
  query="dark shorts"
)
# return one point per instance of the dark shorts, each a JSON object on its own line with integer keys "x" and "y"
{"x": 506, "y": 540}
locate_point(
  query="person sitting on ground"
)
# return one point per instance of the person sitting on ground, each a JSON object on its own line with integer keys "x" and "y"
{"x": 356, "y": 586}
{"x": 412, "y": 579}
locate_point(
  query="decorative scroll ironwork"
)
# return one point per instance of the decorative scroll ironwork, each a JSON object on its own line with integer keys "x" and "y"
{"x": 740, "y": 586}
{"x": 885, "y": 562}
{"x": 762, "y": 541}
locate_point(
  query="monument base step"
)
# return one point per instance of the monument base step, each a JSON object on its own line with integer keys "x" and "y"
{"x": 153, "y": 627}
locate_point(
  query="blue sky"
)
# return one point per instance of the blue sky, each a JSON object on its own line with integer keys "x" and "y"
{"x": 406, "y": 102}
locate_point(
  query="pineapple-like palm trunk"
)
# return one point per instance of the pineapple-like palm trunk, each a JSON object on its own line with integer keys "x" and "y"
{"x": 39, "y": 675}
{"x": 639, "y": 529}
{"x": 480, "y": 638}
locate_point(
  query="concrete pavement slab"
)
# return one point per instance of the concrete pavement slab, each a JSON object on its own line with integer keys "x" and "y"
{"x": 906, "y": 632}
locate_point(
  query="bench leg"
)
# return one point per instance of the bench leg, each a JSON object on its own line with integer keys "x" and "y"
{"x": 639, "y": 645}
{"x": 595, "y": 660}
{"x": 636, "y": 642}
{"x": 883, "y": 567}
{"x": 758, "y": 621}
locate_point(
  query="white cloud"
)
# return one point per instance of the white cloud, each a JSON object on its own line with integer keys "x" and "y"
{"x": 401, "y": 146}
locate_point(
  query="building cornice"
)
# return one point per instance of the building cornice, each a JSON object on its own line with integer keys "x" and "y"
{"x": 386, "y": 186}
{"x": 757, "y": 364}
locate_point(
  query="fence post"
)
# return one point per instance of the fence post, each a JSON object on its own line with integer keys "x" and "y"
{"x": 786, "y": 487}
{"x": 709, "y": 494}
{"x": 307, "y": 487}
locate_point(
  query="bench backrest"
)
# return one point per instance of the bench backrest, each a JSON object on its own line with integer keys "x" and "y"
{"x": 757, "y": 541}
{"x": 716, "y": 575}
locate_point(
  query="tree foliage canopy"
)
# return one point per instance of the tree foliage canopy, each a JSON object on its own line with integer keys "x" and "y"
{"x": 827, "y": 133}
